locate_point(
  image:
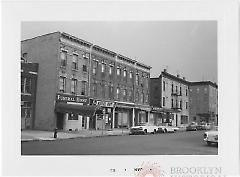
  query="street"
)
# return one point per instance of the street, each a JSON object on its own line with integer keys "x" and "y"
{"x": 180, "y": 143}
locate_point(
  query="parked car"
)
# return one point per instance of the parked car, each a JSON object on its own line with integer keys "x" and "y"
{"x": 203, "y": 126}
{"x": 143, "y": 128}
{"x": 211, "y": 137}
{"x": 167, "y": 129}
{"x": 192, "y": 127}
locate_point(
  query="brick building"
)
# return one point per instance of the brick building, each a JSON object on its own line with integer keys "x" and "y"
{"x": 77, "y": 77}
{"x": 29, "y": 75}
{"x": 204, "y": 102}
{"x": 169, "y": 98}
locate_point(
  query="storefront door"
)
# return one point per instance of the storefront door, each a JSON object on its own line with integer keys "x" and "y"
{"x": 60, "y": 118}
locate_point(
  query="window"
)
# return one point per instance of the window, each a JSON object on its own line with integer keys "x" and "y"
{"x": 64, "y": 58}
{"x": 26, "y": 109}
{"x": 94, "y": 87}
{"x": 184, "y": 119}
{"x": 137, "y": 96}
{"x": 163, "y": 85}
{"x": 137, "y": 79}
{"x": 146, "y": 98}
{"x": 95, "y": 65}
{"x": 103, "y": 90}
{"x": 186, "y": 92}
{"x": 86, "y": 56}
{"x": 84, "y": 88}
{"x": 75, "y": 62}
{"x": 73, "y": 86}
{"x": 103, "y": 67}
{"x": 163, "y": 101}
{"x": 130, "y": 75}
{"x": 118, "y": 93}
{"x": 25, "y": 55}
{"x": 62, "y": 84}
{"x": 84, "y": 68}
{"x": 176, "y": 88}
{"x": 186, "y": 105}
{"x": 124, "y": 94}
{"x": 172, "y": 103}
{"x": 180, "y": 90}
{"x": 111, "y": 91}
{"x": 205, "y": 90}
{"x": 125, "y": 73}
{"x": 72, "y": 116}
{"x": 25, "y": 85}
{"x": 83, "y": 121}
{"x": 181, "y": 104}
{"x": 141, "y": 98}
{"x": 110, "y": 70}
{"x": 197, "y": 90}
{"x": 130, "y": 96}
{"x": 118, "y": 71}
{"x": 172, "y": 88}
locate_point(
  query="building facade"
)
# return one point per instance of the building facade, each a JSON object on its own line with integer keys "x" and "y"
{"x": 170, "y": 99}
{"x": 204, "y": 102}
{"x": 29, "y": 75}
{"x": 82, "y": 86}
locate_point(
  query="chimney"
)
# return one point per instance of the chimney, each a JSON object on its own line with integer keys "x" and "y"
{"x": 165, "y": 70}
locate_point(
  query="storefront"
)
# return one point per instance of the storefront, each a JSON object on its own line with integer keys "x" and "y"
{"x": 142, "y": 114}
{"x": 162, "y": 116}
{"x": 104, "y": 119}
{"x": 73, "y": 113}
{"x": 123, "y": 117}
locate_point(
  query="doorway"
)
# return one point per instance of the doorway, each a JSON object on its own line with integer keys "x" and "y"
{"x": 60, "y": 118}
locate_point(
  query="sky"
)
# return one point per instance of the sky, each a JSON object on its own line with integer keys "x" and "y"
{"x": 188, "y": 48}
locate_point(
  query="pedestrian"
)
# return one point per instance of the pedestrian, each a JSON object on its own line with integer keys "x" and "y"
{"x": 55, "y": 133}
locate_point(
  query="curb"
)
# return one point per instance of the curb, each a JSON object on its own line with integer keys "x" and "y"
{"x": 55, "y": 139}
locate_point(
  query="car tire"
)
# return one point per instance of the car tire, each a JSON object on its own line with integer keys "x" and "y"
{"x": 145, "y": 132}
{"x": 165, "y": 130}
{"x": 154, "y": 131}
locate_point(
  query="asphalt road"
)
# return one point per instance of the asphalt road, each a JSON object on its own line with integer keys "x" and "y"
{"x": 180, "y": 143}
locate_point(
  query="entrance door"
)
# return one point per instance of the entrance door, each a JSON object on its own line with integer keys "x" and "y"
{"x": 176, "y": 120}
{"x": 60, "y": 119}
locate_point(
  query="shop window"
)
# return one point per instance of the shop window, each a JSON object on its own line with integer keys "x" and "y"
{"x": 184, "y": 119}
{"x": 83, "y": 121}
{"x": 62, "y": 84}
{"x": 72, "y": 116}
{"x": 63, "y": 58}
{"x": 25, "y": 85}
{"x": 74, "y": 86}
{"x": 84, "y": 88}
{"x": 26, "y": 109}
{"x": 74, "y": 61}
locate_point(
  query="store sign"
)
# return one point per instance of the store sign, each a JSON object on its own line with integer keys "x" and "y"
{"x": 72, "y": 98}
{"x": 103, "y": 103}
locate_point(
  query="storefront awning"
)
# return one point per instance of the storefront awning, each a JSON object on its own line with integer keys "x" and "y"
{"x": 85, "y": 110}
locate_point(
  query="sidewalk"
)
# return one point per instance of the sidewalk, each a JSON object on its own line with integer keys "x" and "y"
{"x": 37, "y": 135}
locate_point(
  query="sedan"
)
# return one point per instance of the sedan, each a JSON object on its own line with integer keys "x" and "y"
{"x": 211, "y": 137}
{"x": 143, "y": 128}
{"x": 192, "y": 127}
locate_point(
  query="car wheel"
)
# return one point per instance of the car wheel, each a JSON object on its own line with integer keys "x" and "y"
{"x": 154, "y": 131}
{"x": 145, "y": 131}
{"x": 165, "y": 130}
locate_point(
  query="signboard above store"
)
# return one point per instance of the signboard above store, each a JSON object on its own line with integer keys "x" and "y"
{"x": 72, "y": 98}
{"x": 103, "y": 103}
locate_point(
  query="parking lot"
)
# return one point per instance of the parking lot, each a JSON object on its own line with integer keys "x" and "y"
{"x": 180, "y": 143}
